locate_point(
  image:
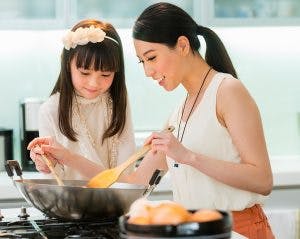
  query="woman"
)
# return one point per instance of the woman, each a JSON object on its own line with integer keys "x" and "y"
{"x": 217, "y": 155}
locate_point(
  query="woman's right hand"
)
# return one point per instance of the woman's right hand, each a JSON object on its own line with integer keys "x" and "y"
{"x": 51, "y": 148}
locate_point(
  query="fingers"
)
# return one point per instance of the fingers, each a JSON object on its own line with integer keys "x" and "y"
{"x": 40, "y": 165}
{"x": 148, "y": 139}
{"x": 40, "y": 141}
{"x": 43, "y": 149}
{"x": 35, "y": 156}
{"x": 161, "y": 138}
{"x": 164, "y": 142}
{"x": 52, "y": 152}
{"x": 37, "y": 150}
{"x": 159, "y": 145}
{"x": 157, "y": 135}
{"x": 58, "y": 153}
{"x": 42, "y": 168}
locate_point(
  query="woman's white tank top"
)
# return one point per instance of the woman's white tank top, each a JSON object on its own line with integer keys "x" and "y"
{"x": 204, "y": 134}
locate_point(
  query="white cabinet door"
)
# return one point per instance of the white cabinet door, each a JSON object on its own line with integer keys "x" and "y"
{"x": 253, "y": 12}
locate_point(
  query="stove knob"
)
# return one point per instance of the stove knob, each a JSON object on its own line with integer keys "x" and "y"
{"x": 23, "y": 215}
{"x": 1, "y": 216}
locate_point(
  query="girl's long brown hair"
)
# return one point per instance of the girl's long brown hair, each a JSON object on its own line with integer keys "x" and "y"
{"x": 105, "y": 56}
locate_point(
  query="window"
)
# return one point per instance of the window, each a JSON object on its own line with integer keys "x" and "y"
{"x": 254, "y": 12}
{"x": 31, "y": 14}
{"x": 60, "y": 14}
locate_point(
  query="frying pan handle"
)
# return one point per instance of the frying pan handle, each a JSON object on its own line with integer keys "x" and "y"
{"x": 12, "y": 165}
{"x": 155, "y": 179}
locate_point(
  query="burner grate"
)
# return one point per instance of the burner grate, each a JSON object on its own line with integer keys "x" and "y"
{"x": 53, "y": 228}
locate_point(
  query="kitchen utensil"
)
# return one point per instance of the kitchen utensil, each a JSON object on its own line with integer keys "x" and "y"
{"x": 108, "y": 177}
{"x": 50, "y": 166}
{"x": 155, "y": 179}
{"x": 73, "y": 201}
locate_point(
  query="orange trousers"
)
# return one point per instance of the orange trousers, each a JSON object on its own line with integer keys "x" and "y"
{"x": 252, "y": 223}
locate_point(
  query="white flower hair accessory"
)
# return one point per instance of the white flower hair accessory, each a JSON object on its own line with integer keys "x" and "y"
{"x": 82, "y": 36}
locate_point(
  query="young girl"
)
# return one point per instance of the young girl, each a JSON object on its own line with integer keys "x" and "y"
{"x": 86, "y": 125}
{"x": 217, "y": 155}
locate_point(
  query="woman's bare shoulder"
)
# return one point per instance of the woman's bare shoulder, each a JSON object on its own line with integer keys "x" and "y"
{"x": 233, "y": 90}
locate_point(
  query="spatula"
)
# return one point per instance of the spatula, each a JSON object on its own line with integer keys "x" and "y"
{"x": 108, "y": 177}
{"x": 50, "y": 166}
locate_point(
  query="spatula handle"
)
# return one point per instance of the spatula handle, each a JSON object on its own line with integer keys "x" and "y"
{"x": 50, "y": 166}
{"x": 140, "y": 153}
{"x": 136, "y": 156}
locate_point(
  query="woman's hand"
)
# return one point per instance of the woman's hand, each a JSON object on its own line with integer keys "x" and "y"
{"x": 166, "y": 143}
{"x": 54, "y": 151}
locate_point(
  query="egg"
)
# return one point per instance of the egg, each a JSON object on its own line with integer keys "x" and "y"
{"x": 144, "y": 212}
{"x": 139, "y": 220}
{"x": 205, "y": 215}
{"x": 168, "y": 214}
{"x": 140, "y": 208}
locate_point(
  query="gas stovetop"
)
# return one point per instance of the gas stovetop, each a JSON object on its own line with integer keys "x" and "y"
{"x": 27, "y": 223}
{"x": 19, "y": 223}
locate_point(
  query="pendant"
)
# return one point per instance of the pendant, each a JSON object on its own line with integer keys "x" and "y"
{"x": 176, "y": 165}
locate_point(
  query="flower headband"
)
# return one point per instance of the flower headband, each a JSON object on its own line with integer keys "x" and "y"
{"x": 82, "y": 36}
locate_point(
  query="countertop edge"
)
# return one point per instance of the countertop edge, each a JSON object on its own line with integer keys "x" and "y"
{"x": 285, "y": 175}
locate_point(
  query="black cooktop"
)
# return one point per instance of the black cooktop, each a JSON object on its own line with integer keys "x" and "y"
{"x": 53, "y": 228}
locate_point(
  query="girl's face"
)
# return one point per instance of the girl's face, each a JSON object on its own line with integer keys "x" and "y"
{"x": 160, "y": 62}
{"x": 89, "y": 83}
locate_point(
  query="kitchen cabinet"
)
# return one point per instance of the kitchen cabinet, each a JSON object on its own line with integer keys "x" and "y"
{"x": 252, "y": 12}
{"x": 58, "y": 14}
{"x": 120, "y": 13}
{"x": 32, "y": 14}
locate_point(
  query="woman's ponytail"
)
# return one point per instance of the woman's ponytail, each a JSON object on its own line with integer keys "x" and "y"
{"x": 164, "y": 23}
{"x": 216, "y": 54}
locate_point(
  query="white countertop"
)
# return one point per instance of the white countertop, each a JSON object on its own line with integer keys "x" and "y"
{"x": 286, "y": 172}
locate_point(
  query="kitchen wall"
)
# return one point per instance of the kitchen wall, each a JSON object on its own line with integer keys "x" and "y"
{"x": 266, "y": 58}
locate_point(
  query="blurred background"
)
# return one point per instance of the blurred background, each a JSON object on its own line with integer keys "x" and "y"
{"x": 261, "y": 36}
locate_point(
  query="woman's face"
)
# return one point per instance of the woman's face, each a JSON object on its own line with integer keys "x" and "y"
{"x": 89, "y": 83}
{"x": 160, "y": 62}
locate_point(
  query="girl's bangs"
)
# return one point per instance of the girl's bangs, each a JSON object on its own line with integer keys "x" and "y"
{"x": 98, "y": 57}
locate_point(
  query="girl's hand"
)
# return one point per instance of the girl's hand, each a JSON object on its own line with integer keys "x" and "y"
{"x": 40, "y": 165}
{"x": 166, "y": 143}
{"x": 51, "y": 148}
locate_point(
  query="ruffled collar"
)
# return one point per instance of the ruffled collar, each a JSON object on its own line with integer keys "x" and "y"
{"x": 83, "y": 101}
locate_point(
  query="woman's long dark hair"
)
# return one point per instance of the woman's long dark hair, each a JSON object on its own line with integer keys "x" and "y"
{"x": 106, "y": 56}
{"x": 165, "y": 22}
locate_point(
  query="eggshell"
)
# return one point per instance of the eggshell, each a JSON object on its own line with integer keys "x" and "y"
{"x": 168, "y": 214}
{"x": 139, "y": 220}
{"x": 140, "y": 208}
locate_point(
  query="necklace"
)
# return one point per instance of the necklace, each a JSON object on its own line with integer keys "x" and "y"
{"x": 183, "y": 108}
{"x": 112, "y": 142}
{"x": 83, "y": 121}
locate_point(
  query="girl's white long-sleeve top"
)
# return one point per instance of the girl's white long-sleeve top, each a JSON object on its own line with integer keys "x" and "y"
{"x": 89, "y": 128}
